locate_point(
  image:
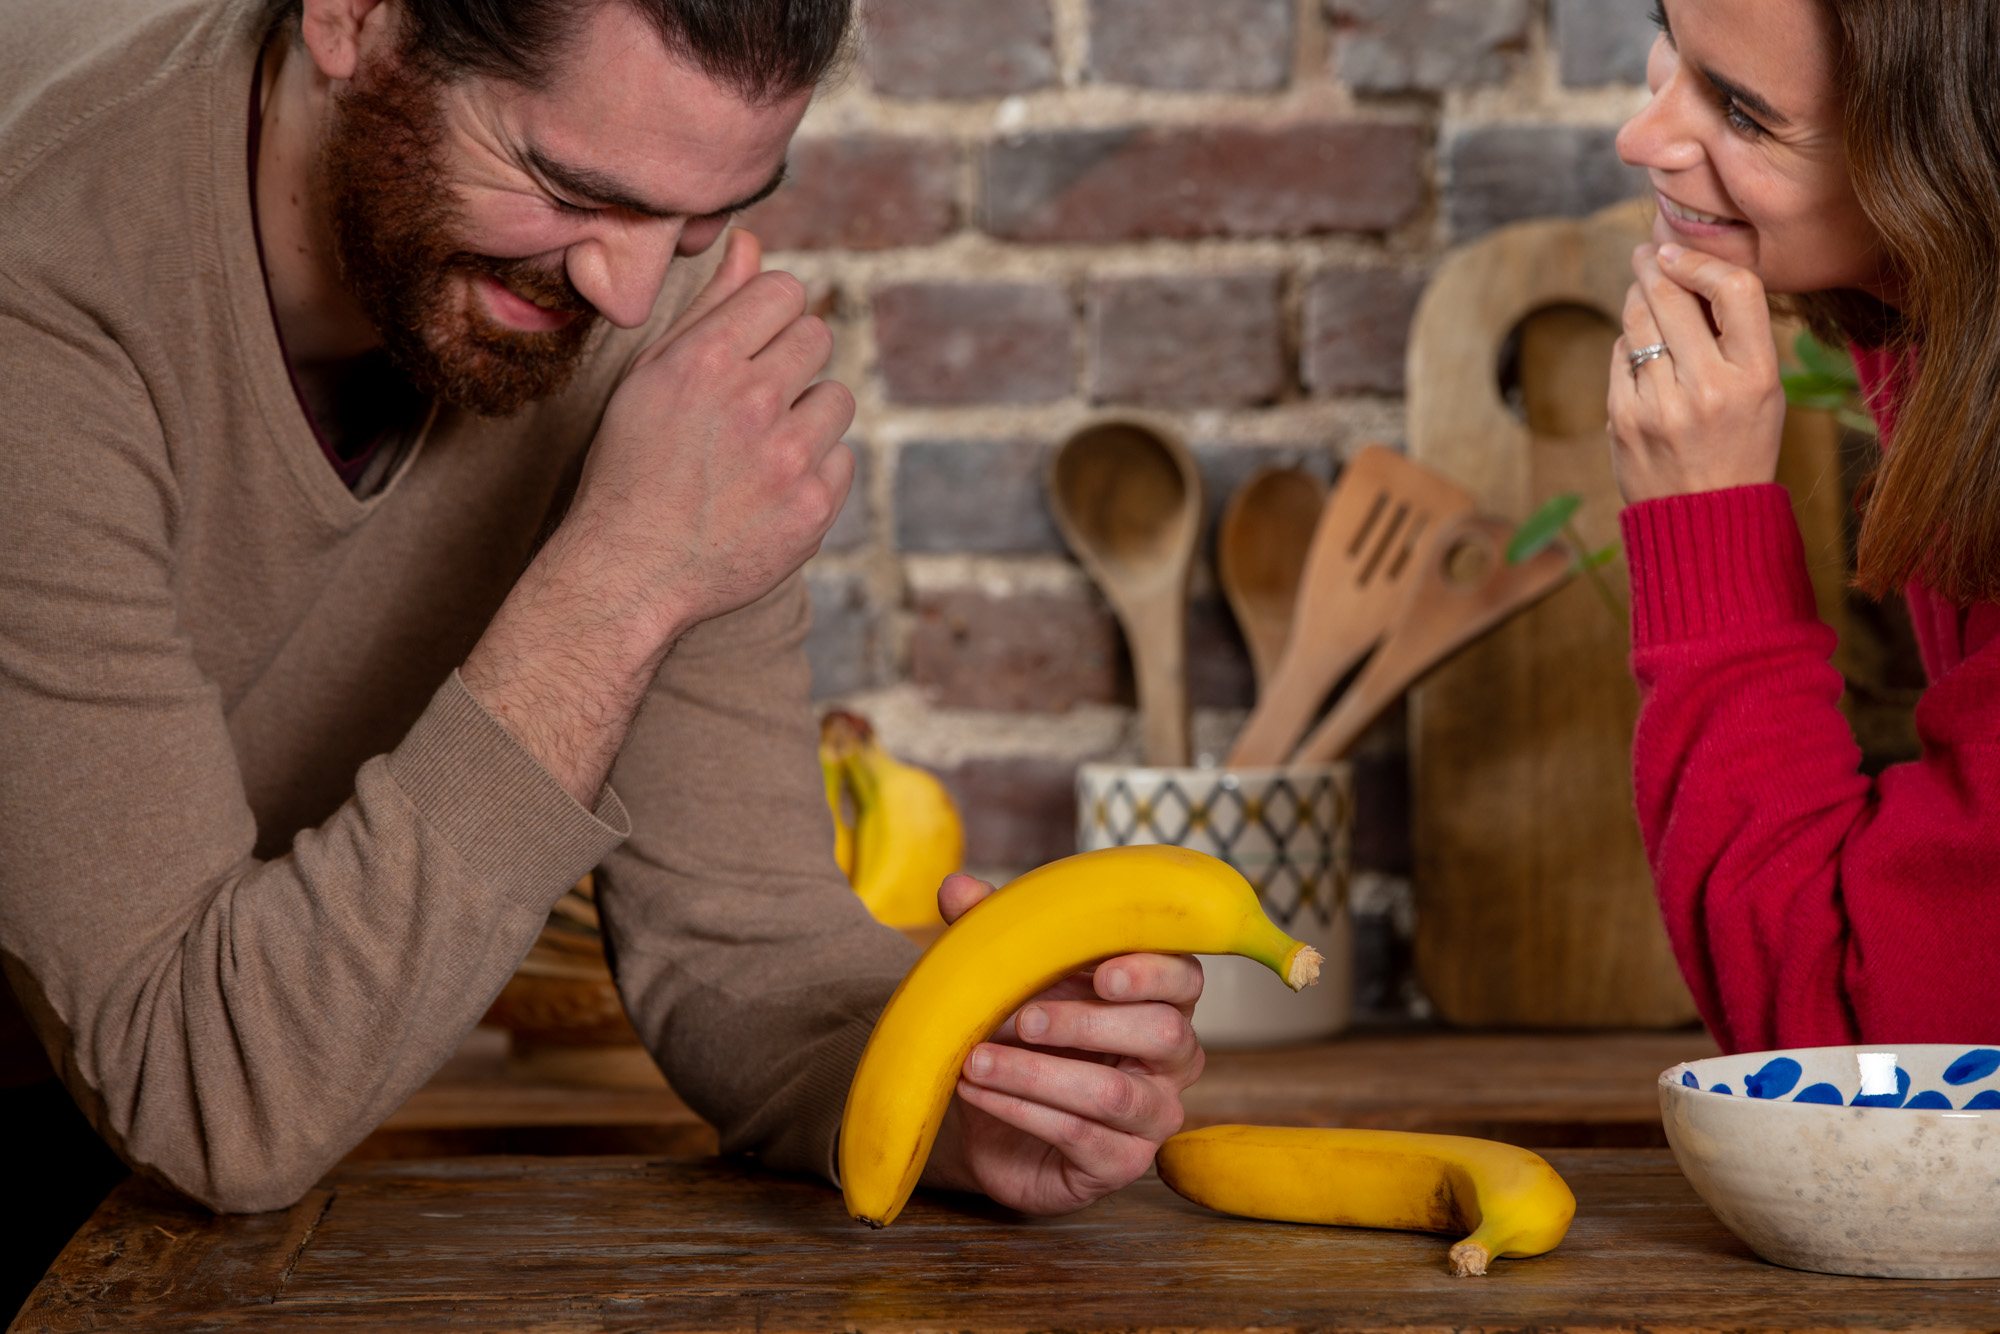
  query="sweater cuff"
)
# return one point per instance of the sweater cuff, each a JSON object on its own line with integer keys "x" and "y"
{"x": 494, "y": 803}
{"x": 1714, "y": 561}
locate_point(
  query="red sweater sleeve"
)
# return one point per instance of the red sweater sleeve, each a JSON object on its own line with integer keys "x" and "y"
{"x": 1807, "y": 905}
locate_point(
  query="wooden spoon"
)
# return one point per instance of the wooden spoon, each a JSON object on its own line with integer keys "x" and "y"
{"x": 1128, "y": 502}
{"x": 1373, "y": 532}
{"x": 1260, "y": 553}
{"x": 1464, "y": 589}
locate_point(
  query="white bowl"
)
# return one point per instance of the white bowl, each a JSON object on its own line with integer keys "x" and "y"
{"x": 1883, "y": 1161}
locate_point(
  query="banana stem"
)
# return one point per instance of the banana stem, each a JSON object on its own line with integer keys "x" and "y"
{"x": 1469, "y": 1259}
{"x": 1302, "y": 968}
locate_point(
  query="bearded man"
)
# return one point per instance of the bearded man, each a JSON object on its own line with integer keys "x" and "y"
{"x": 373, "y": 433}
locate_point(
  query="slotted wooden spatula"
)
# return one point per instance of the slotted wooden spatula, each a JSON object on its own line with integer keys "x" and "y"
{"x": 1375, "y": 530}
{"x": 1461, "y": 589}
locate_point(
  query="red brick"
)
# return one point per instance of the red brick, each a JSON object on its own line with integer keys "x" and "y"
{"x": 959, "y": 48}
{"x": 942, "y": 343}
{"x": 861, "y": 192}
{"x": 1221, "y": 180}
{"x": 1033, "y": 653}
{"x": 1236, "y": 45}
{"x": 1357, "y": 328}
{"x": 1019, "y": 810}
{"x": 1209, "y": 340}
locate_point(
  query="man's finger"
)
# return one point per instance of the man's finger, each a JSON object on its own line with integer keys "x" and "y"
{"x": 958, "y": 893}
{"x": 1173, "y": 978}
{"x": 742, "y": 260}
{"x": 1153, "y": 1032}
{"x": 1101, "y": 1095}
{"x": 1735, "y": 294}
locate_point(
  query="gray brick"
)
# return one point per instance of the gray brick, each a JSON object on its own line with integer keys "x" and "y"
{"x": 1357, "y": 329}
{"x": 959, "y": 48}
{"x": 1402, "y": 46}
{"x": 861, "y": 192}
{"x": 1180, "y": 182}
{"x": 1602, "y": 41}
{"x": 980, "y": 496}
{"x": 1213, "y": 340}
{"x": 1509, "y": 173}
{"x": 954, "y": 343}
{"x": 1232, "y": 45}
{"x": 841, "y": 644}
{"x": 1036, "y": 652}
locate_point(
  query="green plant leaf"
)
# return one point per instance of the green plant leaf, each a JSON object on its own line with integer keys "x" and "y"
{"x": 1830, "y": 362}
{"x": 1542, "y": 527}
{"x": 1812, "y": 390}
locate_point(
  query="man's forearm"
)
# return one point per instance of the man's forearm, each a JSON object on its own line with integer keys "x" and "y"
{"x": 566, "y": 663}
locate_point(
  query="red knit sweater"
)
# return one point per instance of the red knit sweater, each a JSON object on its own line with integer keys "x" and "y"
{"x": 1807, "y": 904}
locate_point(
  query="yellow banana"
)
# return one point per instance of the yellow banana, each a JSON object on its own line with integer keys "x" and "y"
{"x": 907, "y": 836}
{"x": 1041, "y": 927}
{"x": 1511, "y": 1201}
{"x": 833, "y": 769}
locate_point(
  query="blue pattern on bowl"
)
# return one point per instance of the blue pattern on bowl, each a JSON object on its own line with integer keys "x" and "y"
{"x": 1832, "y": 1077}
{"x": 1976, "y": 1064}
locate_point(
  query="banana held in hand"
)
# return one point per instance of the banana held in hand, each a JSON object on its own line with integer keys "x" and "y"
{"x": 1511, "y": 1201}
{"x": 907, "y": 837}
{"x": 1040, "y": 928}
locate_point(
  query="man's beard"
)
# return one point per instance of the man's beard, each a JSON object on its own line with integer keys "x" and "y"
{"x": 394, "y": 228}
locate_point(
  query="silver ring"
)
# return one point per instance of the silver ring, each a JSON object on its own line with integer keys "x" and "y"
{"x": 1646, "y": 354}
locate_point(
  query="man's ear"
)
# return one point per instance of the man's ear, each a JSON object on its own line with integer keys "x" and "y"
{"x": 339, "y": 32}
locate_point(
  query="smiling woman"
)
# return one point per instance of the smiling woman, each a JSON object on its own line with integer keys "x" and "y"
{"x": 1836, "y": 155}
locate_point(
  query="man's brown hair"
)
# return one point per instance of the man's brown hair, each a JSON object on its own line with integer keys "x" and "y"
{"x": 766, "y": 49}
{"x": 1920, "y": 84}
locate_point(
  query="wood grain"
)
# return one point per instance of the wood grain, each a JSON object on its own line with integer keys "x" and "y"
{"x": 626, "y": 1244}
{"x": 1535, "y": 902}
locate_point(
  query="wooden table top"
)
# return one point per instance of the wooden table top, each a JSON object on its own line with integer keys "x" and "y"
{"x": 1568, "y": 1090}
{"x": 616, "y": 1244}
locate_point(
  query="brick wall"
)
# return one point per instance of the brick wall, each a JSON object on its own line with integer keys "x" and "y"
{"x": 1019, "y": 215}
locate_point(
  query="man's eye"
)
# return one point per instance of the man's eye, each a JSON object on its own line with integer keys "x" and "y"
{"x": 564, "y": 206}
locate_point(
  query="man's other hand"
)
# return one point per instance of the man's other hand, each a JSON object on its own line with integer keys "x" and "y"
{"x": 716, "y": 471}
{"x": 1072, "y": 1097}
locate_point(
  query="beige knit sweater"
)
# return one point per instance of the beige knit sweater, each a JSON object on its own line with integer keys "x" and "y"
{"x": 263, "y": 860}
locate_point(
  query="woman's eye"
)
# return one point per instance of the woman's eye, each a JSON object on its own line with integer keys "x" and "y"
{"x": 1659, "y": 15}
{"x": 1738, "y": 121}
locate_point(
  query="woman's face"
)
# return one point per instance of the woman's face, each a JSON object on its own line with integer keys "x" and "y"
{"x": 1743, "y": 141}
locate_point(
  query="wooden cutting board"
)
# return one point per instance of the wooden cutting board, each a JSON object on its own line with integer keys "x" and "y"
{"x": 1535, "y": 904}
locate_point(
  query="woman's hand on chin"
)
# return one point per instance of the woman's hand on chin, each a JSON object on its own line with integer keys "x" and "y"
{"x": 1710, "y": 413}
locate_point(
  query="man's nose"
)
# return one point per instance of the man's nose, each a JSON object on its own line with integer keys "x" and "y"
{"x": 621, "y": 269}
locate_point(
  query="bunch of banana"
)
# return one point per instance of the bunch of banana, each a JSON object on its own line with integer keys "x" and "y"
{"x": 1511, "y": 1201}
{"x": 904, "y": 838}
{"x": 1041, "y": 927}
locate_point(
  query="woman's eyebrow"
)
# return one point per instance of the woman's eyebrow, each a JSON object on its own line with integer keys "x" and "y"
{"x": 1744, "y": 98}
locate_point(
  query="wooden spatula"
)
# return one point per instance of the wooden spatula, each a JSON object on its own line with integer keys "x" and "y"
{"x": 1462, "y": 589}
{"x": 1373, "y": 533}
{"x": 1260, "y": 554}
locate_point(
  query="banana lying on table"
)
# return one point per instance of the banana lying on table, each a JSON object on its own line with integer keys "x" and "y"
{"x": 1511, "y": 1201}
{"x": 1042, "y": 927}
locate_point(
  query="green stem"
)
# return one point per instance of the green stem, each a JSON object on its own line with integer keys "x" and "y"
{"x": 1595, "y": 574}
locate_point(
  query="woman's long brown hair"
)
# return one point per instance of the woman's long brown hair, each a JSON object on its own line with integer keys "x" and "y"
{"x": 1920, "y": 81}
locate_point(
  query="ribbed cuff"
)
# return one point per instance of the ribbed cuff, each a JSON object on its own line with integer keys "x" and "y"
{"x": 482, "y": 790}
{"x": 1716, "y": 561}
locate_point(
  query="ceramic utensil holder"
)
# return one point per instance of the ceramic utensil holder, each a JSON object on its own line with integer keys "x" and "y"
{"x": 1288, "y": 830}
